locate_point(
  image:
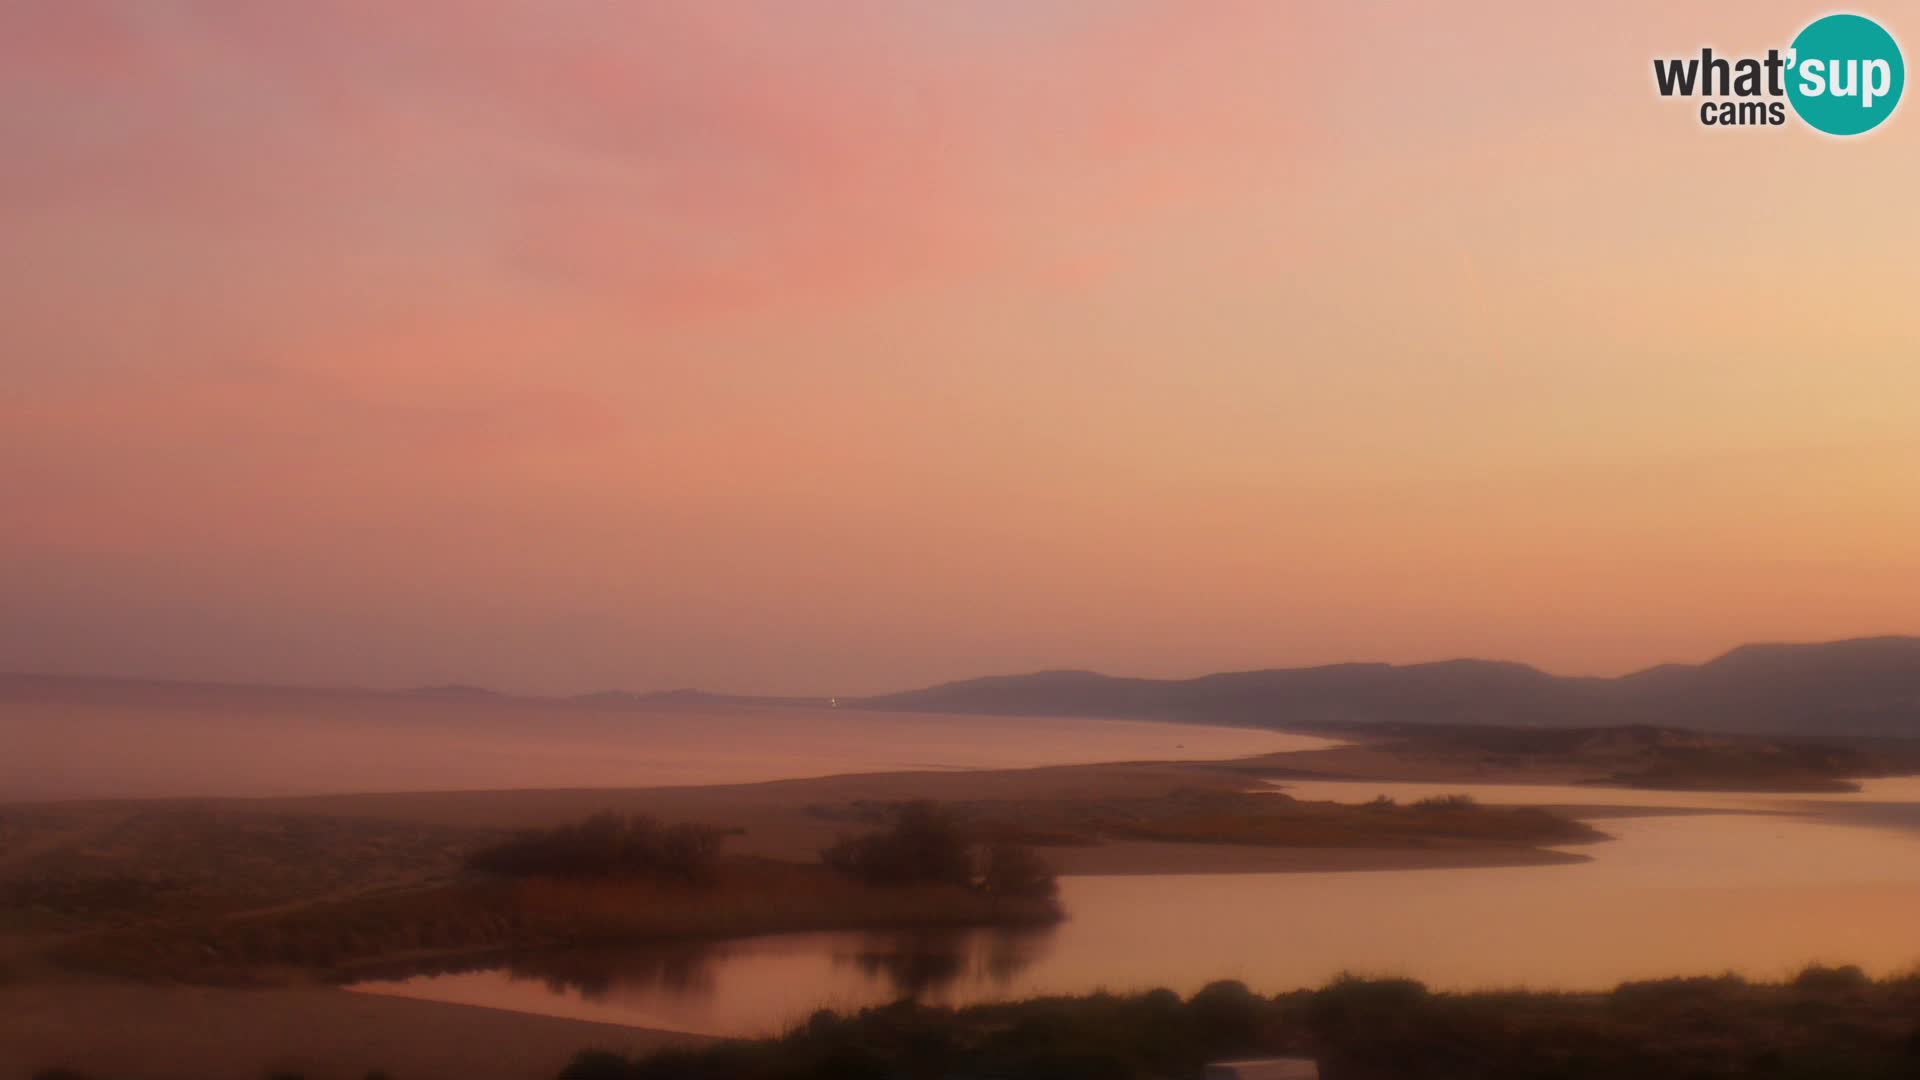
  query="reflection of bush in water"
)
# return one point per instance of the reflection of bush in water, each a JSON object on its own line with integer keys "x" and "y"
{"x": 926, "y": 961}
{"x": 913, "y": 962}
{"x": 917, "y": 966}
{"x": 684, "y": 970}
{"x": 933, "y": 960}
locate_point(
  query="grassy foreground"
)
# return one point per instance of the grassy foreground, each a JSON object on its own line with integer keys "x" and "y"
{"x": 334, "y": 940}
{"x": 1827, "y": 1024}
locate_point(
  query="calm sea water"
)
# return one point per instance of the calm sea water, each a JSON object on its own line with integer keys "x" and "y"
{"x": 316, "y": 745}
{"x": 1760, "y": 885}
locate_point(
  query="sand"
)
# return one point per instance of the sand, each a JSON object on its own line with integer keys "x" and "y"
{"x": 110, "y": 1029}
{"x": 777, "y": 823}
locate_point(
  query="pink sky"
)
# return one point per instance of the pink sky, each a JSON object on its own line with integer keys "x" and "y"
{"x": 831, "y": 348}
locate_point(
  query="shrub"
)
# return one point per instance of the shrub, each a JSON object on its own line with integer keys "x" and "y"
{"x": 606, "y": 845}
{"x": 1226, "y": 1014}
{"x": 1666, "y": 997}
{"x": 1819, "y": 979}
{"x": 924, "y": 847}
{"x": 1357, "y": 1029}
{"x": 597, "y": 1065}
{"x": 1351, "y": 1006}
{"x": 1012, "y": 870}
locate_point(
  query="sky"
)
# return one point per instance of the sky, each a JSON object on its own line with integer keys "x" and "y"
{"x": 846, "y": 347}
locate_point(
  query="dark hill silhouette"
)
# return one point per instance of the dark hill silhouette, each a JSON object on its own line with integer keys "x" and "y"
{"x": 1868, "y": 686}
{"x": 453, "y": 692}
{"x": 1864, "y": 687}
{"x": 682, "y": 698}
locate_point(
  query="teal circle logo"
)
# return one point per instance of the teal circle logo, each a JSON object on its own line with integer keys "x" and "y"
{"x": 1846, "y": 74}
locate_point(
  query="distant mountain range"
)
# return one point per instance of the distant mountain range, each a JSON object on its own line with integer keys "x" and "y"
{"x": 1865, "y": 687}
{"x": 1869, "y": 686}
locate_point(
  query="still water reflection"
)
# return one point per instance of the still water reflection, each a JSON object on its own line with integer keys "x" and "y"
{"x": 745, "y": 986}
{"x": 1755, "y": 884}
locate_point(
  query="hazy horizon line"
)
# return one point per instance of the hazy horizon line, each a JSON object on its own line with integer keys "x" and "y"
{"x": 478, "y": 688}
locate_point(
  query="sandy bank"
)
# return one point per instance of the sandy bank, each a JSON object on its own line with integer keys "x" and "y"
{"x": 114, "y": 1029}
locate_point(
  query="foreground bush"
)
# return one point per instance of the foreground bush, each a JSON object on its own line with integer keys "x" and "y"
{"x": 1093, "y": 1038}
{"x": 1817, "y": 1027}
{"x": 607, "y": 845}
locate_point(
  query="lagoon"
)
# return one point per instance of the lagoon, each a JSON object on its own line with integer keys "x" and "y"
{"x": 1756, "y": 884}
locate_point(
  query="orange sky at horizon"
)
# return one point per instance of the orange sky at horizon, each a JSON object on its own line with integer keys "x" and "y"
{"x": 850, "y": 347}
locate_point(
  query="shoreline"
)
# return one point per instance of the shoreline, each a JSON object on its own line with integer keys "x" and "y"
{"x": 783, "y": 820}
{"x": 116, "y": 1026}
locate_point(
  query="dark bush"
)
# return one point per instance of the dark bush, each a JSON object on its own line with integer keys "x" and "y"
{"x": 1226, "y": 1015}
{"x": 1352, "y": 1008}
{"x": 598, "y": 1065}
{"x": 851, "y": 1063}
{"x": 925, "y": 846}
{"x": 1012, "y": 870}
{"x": 1668, "y": 996}
{"x": 1357, "y": 1029}
{"x": 606, "y": 845}
{"x": 1818, "y": 979}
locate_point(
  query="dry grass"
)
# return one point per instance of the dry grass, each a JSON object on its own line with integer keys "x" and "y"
{"x": 108, "y": 863}
{"x": 329, "y": 940}
{"x": 1212, "y": 816}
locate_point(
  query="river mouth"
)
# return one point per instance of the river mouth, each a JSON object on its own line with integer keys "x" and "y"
{"x": 1755, "y": 884}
